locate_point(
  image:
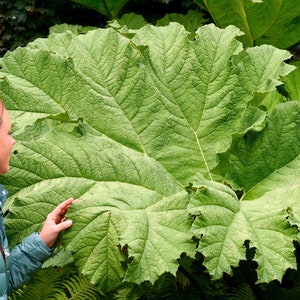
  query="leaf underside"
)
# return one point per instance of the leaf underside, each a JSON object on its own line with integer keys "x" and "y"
{"x": 124, "y": 122}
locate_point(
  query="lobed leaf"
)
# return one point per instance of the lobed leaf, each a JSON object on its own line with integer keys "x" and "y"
{"x": 123, "y": 121}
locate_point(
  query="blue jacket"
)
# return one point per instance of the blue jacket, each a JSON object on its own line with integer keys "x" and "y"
{"x": 17, "y": 265}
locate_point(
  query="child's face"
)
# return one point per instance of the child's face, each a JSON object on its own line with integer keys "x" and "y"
{"x": 6, "y": 142}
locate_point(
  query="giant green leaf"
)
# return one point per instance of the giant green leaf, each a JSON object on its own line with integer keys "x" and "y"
{"x": 124, "y": 122}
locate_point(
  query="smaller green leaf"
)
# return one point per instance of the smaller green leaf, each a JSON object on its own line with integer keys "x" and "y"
{"x": 109, "y": 8}
{"x": 132, "y": 21}
{"x": 292, "y": 83}
{"x": 269, "y": 100}
{"x": 274, "y": 22}
{"x": 192, "y": 20}
{"x": 230, "y": 12}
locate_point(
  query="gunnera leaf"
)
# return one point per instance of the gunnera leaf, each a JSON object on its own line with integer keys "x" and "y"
{"x": 124, "y": 122}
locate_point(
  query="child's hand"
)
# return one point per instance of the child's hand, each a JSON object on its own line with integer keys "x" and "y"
{"x": 55, "y": 223}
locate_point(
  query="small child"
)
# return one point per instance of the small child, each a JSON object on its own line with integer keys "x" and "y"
{"x": 27, "y": 257}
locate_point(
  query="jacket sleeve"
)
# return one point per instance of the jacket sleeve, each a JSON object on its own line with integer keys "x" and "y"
{"x": 25, "y": 259}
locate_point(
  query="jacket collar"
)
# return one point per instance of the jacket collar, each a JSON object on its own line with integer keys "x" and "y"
{"x": 3, "y": 195}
